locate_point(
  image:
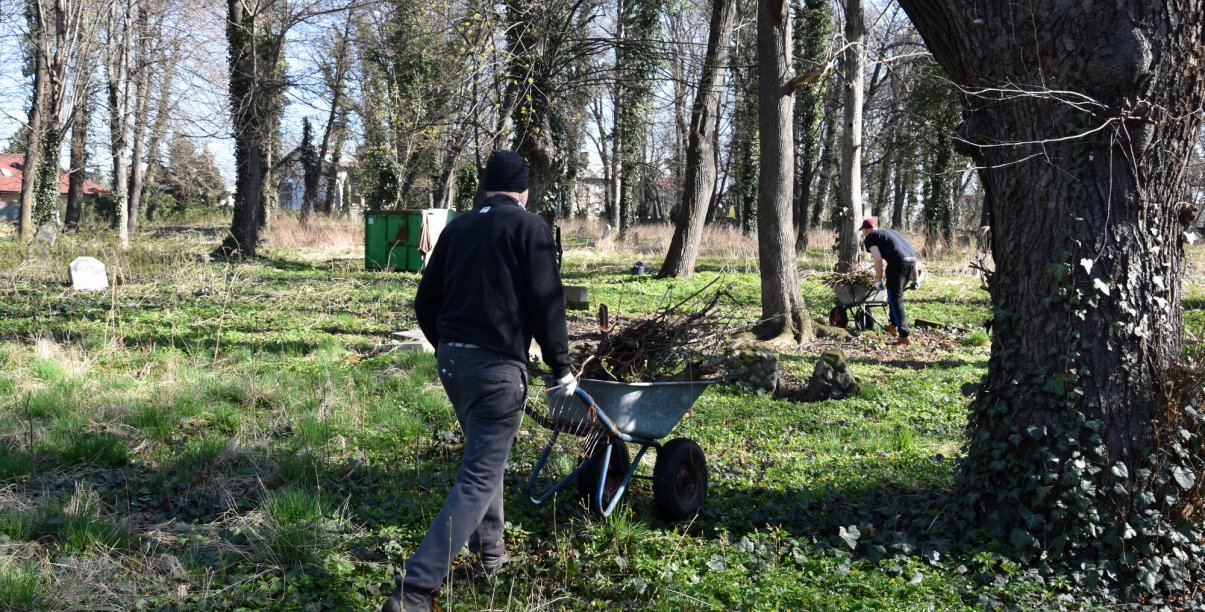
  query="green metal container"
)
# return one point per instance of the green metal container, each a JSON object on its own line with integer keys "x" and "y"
{"x": 391, "y": 237}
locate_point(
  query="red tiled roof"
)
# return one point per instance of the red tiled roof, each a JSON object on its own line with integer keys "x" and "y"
{"x": 11, "y": 169}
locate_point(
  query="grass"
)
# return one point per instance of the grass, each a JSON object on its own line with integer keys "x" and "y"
{"x": 20, "y": 585}
{"x": 235, "y": 435}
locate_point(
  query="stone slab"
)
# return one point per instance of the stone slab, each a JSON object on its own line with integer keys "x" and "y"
{"x": 88, "y": 274}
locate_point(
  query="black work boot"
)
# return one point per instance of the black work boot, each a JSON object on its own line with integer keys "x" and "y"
{"x": 409, "y": 600}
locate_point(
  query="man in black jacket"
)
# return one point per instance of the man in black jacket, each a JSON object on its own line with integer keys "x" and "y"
{"x": 891, "y": 246}
{"x": 491, "y": 285}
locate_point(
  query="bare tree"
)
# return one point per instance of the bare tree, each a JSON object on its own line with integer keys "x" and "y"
{"x": 118, "y": 40}
{"x": 850, "y": 194}
{"x": 141, "y": 77}
{"x": 700, "y": 171}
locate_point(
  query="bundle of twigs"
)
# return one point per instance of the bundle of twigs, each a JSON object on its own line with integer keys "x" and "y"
{"x": 863, "y": 277}
{"x": 683, "y": 341}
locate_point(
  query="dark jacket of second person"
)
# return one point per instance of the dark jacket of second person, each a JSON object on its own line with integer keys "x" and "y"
{"x": 893, "y": 247}
{"x": 492, "y": 281}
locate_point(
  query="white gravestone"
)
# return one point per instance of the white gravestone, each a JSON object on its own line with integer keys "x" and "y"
{"x": 88, "y": 274}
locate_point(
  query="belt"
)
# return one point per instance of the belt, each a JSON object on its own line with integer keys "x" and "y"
{"x": 461, "y": 345}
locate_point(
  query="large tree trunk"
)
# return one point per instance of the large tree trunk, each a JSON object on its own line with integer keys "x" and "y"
{"x": 783, "y": 312}
{"x": 37, "y": 118}
{"x": 899, "y": 200}
{"x": 249, "y": 150}
{"x": 142, "y": 96}
{"x": 255, "y": 85}
{"x": 59, "y": 51}
{"x": 333, "y": 184}
{"x": 699, "y": 182}
{"x": 814, "y": 27}
{"x": 1081, "y": 123}
{"x": 849, "y": 197}
{"x": 80, "y": 118}
{"x": 116, "y": 67}
{"x": 828, "y": 155}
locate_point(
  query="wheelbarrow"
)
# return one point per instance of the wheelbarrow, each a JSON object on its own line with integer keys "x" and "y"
{"x": 611, "y": 415}
{"x": 858, "y": 300}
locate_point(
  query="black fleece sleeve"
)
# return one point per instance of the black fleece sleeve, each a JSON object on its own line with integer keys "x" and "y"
{"x": 430, "y": 297}
{"x": 546, "y": 297}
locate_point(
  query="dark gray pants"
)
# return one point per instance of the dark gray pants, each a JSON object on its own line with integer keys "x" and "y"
{"x": 487, "y": 390}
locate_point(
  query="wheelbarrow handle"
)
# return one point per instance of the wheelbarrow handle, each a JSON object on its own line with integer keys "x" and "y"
{"x": 585, "y": 398}
{"x": 579, "y": 392}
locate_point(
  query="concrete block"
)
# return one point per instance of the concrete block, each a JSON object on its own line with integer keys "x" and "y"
{"x": 577, "y": 297}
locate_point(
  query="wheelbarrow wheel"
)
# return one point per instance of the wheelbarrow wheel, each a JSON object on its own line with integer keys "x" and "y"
{"x": 679, "y": 480}
{"x": 587, "y": 481}
{"x": 837, "y": 317}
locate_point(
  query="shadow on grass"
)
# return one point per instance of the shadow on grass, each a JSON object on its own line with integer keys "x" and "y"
{"x": 912, "y": 364}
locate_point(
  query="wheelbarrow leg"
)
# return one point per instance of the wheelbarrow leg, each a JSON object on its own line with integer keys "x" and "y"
{"x": 623, "y": 486}
{"x": 535, "y": 472}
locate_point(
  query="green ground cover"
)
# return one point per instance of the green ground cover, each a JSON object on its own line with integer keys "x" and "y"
{"x": 224, "y": 436}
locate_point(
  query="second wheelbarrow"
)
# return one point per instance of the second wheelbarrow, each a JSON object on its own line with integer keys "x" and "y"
{"x": 859, "y": 299}
{"x": 610, "y": 415}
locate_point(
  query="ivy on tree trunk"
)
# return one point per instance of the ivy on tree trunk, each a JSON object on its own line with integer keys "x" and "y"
{"x": 1080, "y": 454}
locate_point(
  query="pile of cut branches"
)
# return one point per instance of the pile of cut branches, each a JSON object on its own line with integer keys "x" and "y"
{"x": 685, "y": 341}
{"x": 864, "y": 278}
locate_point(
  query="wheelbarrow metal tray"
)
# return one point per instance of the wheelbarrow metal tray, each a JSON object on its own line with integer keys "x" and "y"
{"x": 645, "y": 410}
{"x": 852, "y": 295}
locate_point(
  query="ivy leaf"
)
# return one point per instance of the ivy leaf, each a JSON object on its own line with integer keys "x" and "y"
{"x": 1148, "y": 579}
{"x": 716, "y": 563}
{"x": 1101, "y": 286}
{"x": 1020, "y": 539}
{"x": 1086, "y": 264}
{"x": 1184, "y": 477}
{"x": 1120, "y": 470}
{"x": 850, "y": 535}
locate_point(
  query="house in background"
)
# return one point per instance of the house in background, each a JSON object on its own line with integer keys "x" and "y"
{"x": 291, "y": 186}
{"x": 12, "y": 168}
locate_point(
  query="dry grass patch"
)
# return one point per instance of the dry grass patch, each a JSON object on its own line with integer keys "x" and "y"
{"x": 320, "y": 239}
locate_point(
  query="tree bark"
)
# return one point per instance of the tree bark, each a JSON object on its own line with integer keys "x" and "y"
{"x": 80, "y": 118}
{"x": 850, "y": 194}
{"x": 814, "y": 29}
{"x": 783, "y": 312}
{"x": 1082, "y": 128}
{"x": 828, "y": 155}
{"x": 168, "y": 60}
{"x": 37, "y": 112}
{"x": 255, "y": 86}
{"x": 900, "y": 195}
{"x": 117, "y": 70}
{"x": 333, "y": 184}
{"x": 330, "y": 131}
{"x": 700, "y": 172}
{"x": 142, "y": 96}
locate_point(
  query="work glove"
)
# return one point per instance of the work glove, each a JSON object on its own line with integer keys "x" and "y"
{"x": 878, "y": 285}
{"x": 564, "y": 386}
{"x": 915, "y": 285}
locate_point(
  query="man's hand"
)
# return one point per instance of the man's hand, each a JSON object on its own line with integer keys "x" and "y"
{"x": 915, "y": 285}
{"x": 564, "y": 386}
{"x": 878, "y": 285}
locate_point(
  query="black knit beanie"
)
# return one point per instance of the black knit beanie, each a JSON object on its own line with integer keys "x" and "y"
{"x": 505, "y": 171}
